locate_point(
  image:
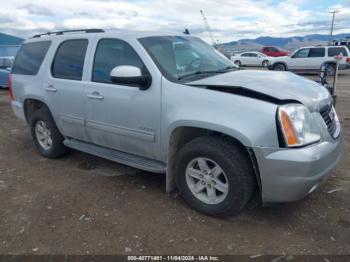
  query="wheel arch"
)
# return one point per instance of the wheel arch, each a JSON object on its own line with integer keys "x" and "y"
{"x": 183, "y": 134}
{"x": 329, "y": 62}
{"x": 280, "y": 62}
{"x": 30, "y": 105}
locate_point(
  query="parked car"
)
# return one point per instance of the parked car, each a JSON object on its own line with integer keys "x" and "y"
{"x": 5, "y": 68}
{"x": 274, "y": 51}
{"x": 312, "y": 58}
{"x": 251, "y": 59}
{"x": 221, "y": 135}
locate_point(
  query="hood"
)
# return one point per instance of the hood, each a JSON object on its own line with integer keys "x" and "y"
{"x": 278, "y": 85}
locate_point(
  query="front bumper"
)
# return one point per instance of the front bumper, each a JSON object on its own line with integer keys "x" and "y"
{"x": 291, "y": 174}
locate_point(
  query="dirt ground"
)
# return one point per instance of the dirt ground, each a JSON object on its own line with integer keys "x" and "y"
{"x": 82, "y": 204}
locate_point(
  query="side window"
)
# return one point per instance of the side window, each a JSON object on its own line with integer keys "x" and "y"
{"x": 111, "y": 53}
{"x": 245, "y": 55}
{"x": 302, "y": 53}
{"x": 253, "y": 55}
{"x": 7, "y": 63}
{"x": 2, "y": 66}
{"x": 334, "y": 51}
{"x": 317, "y": 52}
{"x": 273, "y": 49}
{"x": 30, "y": 57}
{"x": 69, "y": 59}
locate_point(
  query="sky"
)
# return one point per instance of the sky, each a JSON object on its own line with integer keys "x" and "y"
{"x": 228, "y": 19}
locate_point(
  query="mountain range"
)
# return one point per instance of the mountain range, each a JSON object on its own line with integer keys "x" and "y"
{"x": 288, "y": 43}
{"x": 6, "y": 39}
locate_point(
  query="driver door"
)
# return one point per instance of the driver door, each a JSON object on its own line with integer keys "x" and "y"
{"x": 299, "y": 60}
{"x": 122, "y": 117}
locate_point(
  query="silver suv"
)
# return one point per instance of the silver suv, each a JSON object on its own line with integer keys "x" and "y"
{"x": 172, "y": 104}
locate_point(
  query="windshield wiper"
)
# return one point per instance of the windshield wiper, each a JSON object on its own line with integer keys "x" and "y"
{"x": 219, "y": 71}
{"x": 225, "y": 69}
{"x": 196, "y": 73}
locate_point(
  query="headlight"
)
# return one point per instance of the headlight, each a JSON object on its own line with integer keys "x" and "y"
{"x": 298, "y": 125}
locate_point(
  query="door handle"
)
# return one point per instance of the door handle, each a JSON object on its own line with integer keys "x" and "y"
{"x": 51, "y": 88}
{"x": 95, "y": 95}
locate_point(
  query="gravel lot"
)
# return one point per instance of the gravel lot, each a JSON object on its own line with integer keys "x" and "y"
{"x": 82, "y": 204}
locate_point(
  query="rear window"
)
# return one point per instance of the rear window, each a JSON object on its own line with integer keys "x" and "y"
{"x": 30, "y": 57}
{"x": 334, "y": 51}
{"x": 69, "y": 60}
{"x": 317, "y": 52}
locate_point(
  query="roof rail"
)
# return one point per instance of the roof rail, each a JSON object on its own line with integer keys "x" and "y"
{"x": 70, "y": 31}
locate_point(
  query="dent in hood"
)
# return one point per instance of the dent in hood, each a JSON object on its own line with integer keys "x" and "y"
{"x": 280, "y": 86}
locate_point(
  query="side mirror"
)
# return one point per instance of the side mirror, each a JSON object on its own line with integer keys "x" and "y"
{"x": 131, "y": 76}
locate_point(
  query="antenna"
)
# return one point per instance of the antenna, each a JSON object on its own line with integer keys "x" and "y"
{"x": 205, "y": 20}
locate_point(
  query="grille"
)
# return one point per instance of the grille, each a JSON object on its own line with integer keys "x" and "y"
{"x": 326, "y": 113}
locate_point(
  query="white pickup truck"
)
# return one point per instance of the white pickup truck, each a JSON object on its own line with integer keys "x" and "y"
{"x": 312, "y": 58}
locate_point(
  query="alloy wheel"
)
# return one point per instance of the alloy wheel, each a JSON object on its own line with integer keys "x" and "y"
{"x": 43, "y": 135}
{"x": 207, "y": 180}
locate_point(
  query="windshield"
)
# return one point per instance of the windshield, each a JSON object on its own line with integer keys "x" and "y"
{"x": 184, "y": 58}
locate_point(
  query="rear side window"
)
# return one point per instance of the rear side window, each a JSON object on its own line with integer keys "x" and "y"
{"x": 30, "y": 57}
{"x": 69, "y": 60}
{"x": 334, "y": 51}
{"x": 317, "y": 52}
{"x": 111, "y": 53}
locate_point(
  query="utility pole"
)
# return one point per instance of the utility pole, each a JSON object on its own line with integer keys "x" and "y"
{"x": 333, "y": 12}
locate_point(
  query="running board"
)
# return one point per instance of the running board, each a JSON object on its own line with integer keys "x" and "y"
{"x": 117, "y": 156}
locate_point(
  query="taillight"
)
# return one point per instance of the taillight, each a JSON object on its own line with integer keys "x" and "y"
{"x": 348, "y": 60}
{"x": 10, "y": 87}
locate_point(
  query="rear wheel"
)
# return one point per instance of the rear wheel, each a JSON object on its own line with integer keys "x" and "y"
{"x": 279, "y": 67}
{"x": 47, "y": 138}
{"x": 331, "y": 68}
{"x": 214, "y": 176}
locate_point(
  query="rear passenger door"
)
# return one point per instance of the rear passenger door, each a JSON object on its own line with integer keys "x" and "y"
{"x": 316, "y": 58}
{"x": 65, "y": 87}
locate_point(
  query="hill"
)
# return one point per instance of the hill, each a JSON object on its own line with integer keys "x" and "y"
{"x": 288, "y": 43}
{"x": 10, "y": 40}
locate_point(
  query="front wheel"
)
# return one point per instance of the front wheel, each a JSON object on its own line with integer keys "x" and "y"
{"x": 214, "y": 176}
{"x": 238, "y": 63}
{"x": 265, "y": 63}
{"x": 279, "y": 67}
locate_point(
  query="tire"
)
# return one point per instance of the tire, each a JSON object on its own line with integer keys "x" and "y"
{"x": 331, "y": 69}
{"x": 238, "y": 63}
{"x": 279, "y": 67}
{"x": 42, "y": 120}
{"x": 237, "y": 175}
{"x": 265, "y": 63}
